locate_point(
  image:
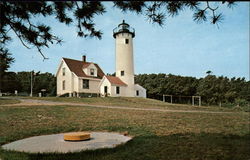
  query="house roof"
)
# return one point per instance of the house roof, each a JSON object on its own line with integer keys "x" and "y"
{"x": 78, "y": 66}
{"x": 137, "y": 86}
{"x": 116, "y": 81}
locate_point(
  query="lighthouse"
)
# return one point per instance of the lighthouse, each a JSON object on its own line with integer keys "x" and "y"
{"x": 74, "y": 76}
{"x": 124, "y": 57}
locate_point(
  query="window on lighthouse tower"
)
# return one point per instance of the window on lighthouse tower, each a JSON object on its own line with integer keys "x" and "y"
{"x": 126, "y": 41}
{"x": 122, "y": 73}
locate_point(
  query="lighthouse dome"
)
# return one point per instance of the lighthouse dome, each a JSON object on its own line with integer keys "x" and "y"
{"x": 123, "y": 28}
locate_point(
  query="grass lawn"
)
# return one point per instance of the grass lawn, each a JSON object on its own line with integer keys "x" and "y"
{"x": 132, "y": 102}
{"x": 8, "y": 101}
{"x": 157, "y": 135}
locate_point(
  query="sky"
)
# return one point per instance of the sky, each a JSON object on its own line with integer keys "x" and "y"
{"x": 180, "y": 47}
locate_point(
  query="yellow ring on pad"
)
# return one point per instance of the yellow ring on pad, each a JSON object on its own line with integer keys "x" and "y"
{"x": 76, "y": 136}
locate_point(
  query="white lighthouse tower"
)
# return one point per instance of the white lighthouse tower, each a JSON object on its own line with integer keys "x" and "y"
{"x": 124, "y": 35}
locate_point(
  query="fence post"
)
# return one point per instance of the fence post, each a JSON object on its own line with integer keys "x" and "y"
{"x": 192, "y": 100}
{"x": 199, "y": 100}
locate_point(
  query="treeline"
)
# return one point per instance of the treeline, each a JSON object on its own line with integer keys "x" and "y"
{"x": 212, "y": 89}
{"x": 21, "y": 81}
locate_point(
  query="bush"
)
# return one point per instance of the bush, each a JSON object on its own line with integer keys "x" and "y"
{"x": 243, "y": 104}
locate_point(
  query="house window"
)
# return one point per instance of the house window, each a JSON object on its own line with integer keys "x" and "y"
{"x": 126, "y": 41}
{"x": 137, "y": 92}
{"x": 117, "y": 90}
{"x": 85, "y": 84}
{"x": 63, "y": 85}
{"x": 63, "y": 71}
{"x": 122, "y": 73}
{"x": 92, "y": 72}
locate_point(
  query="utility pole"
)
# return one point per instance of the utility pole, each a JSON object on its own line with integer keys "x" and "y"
{"x": 31, "y": 86}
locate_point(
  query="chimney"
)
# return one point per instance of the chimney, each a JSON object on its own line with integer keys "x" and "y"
{"x": 84, "y": 58}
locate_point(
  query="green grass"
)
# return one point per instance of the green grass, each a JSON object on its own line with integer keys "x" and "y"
{"x": 157, "y": 135}
{"x": 132, "y": 102}
{"x": 4, "y": 101}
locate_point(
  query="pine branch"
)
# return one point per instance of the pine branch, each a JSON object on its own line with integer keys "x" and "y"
{"x": 19, "y": 36}
{"x": 39, "y": 50}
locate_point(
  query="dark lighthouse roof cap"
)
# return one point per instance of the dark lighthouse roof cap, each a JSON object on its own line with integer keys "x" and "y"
{"x": 123, "y": 24}
{"x": 123, "y": 28}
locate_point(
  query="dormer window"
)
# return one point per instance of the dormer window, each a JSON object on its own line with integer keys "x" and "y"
{"x": 92, "y": 72}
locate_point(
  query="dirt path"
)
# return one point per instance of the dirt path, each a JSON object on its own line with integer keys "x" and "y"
{"x": 33, "y": 102}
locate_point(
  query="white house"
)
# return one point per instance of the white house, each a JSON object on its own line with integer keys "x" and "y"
{"x": 75, "y": 77}
{"x": 78, "y": 77}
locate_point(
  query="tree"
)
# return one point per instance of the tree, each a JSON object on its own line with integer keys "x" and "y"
{"x": 24, "y": 79}
{"x": 159, "y": 84}
{"x": 213, "y": 90}
{"x": 216, "y": 90}
{"x": 11, "y": 82}
{"x": 45, "y": 81}
{"x": 19, "y": 17}
{"x": 5, "y": 61}
{"x": 209, "y": 72}
{"x": 21, "y": 82}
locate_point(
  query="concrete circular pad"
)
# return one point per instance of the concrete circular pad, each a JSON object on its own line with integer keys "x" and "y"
{"x": 55, "y": 143}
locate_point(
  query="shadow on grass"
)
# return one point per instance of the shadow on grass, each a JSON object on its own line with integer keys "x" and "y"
{"x": 203, "y": 146}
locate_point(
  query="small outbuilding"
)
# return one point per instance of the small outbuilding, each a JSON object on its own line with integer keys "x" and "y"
{"x": 112, "y": 86}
